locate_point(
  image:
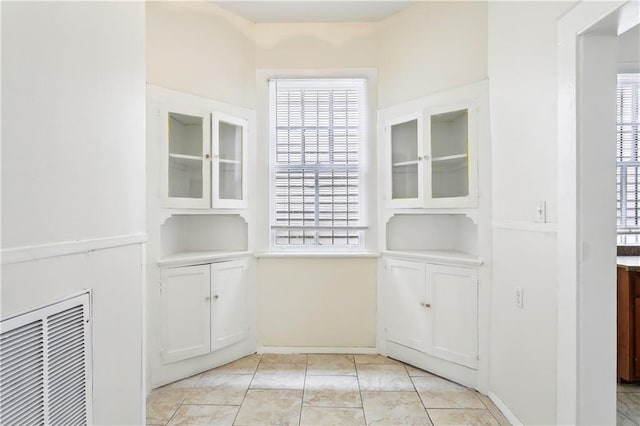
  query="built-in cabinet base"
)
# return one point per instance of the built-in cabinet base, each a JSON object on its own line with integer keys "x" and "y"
{"x": 455, "y": 372}
{"x": 169, "y": 373}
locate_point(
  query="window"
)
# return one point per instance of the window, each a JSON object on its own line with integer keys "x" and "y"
{"x": 317, "y": 134}
{"x": 628, "y": 158}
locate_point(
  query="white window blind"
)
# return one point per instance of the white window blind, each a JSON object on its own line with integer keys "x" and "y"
{"x": 317, "y": 133}
{"x": 628, "y": 158}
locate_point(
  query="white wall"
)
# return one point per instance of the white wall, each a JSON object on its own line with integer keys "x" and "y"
{"x": 431, "y": 46}
{"x": 198, "y": 48}
{"x": 73, "y": 170}
{"x": 629, "y": 47}
{"x": 522, "y": 72}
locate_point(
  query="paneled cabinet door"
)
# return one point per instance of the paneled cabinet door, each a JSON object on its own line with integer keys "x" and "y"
{"x": 186, "y": 330}
{"x": 453, "y": 296}
{"x": 229, "y": 146}
{"x": 407, "y": 311}
{"x": 229, "y": 322}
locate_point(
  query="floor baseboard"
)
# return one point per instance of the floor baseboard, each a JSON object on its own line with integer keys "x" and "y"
{"x": 316, "y": 350}
{"x": 505, "y": 410}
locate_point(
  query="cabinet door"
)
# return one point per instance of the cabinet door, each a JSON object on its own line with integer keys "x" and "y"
{"x": 407, "y": 315}
{"x": 450, "y": 142}
{"x": 405, "y": 162}
{"x": 186, "y": 169}
{"x": 185, "y": 313}
{"x": 453, "y": 298}
{"x": 229, "y": 183}
{"x": 229, "y": 283}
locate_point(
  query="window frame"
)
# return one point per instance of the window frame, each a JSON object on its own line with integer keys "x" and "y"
{"x": 364, "y": 143}
{"x": 627, "y": 234}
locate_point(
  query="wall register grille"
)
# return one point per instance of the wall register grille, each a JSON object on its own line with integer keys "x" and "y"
{"x": 45, "y": 365}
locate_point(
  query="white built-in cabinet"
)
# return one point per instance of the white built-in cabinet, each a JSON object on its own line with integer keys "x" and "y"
{"x": 204, "y": 308}
{"x": 204, "y": 158}
{"x": 435, "y": 232}
{"x": 200, "y": 268}
{"x": 434, "y": 309}
{"x": 430, "y": 157}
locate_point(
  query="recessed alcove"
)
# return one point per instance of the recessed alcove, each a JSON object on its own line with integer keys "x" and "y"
{"x": 203, "y": 233}
{"x": 451, "y": 232}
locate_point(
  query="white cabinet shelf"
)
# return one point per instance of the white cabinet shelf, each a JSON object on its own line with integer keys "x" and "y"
{"x": 198, "y": 257}
{"x": 449, "y": 158}
{"x": 444, "y": 257}
{"x": 185, "y": 157}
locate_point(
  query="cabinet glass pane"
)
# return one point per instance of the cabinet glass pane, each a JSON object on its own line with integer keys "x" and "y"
{"x": 449, "y": 161}
{"x": 404, "y": 181}
{"x": 230, "y": 181}
{"x": 449, "y": 133}
{"x": 185, "y": 134}
{"x": 185, "y": 177}
{"x": 404, "y": 142}
{"x": 230, "y": 145}
{"x": 230, "y": 141}
{"x": 185, "y": 156}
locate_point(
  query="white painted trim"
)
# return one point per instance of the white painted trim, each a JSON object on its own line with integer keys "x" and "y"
{"x": 316, "y": 350}
{"x": 504, "y": 409}
{"x": 525, "y": 225}
{"x": 569, "y": 28}
{"x": 66, "y": 248}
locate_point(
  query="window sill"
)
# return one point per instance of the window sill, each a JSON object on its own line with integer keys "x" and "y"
{"x": 318, "y": 254}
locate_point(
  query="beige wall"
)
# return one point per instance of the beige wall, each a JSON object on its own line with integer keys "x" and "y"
{"x": 431, "y": 46}
{"x": 198, "y": 48}
{"x": 317, "y": 302}
{"x": 316, "y": 45}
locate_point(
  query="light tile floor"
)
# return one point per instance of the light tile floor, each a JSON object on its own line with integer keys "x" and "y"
{"x": 319, "y": 389}
{"x": 628, "y": 404}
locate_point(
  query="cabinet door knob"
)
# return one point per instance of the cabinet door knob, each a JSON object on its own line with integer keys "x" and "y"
{"x": 207, "y": 298}
{"x": 206, "y": 156}
{"x": 425, "y": 305}
{"x": 216, "y": 297}
{"x": 420, "y": 158}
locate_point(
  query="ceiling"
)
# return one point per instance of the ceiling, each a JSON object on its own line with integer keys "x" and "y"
{"x": 266, "y": 11}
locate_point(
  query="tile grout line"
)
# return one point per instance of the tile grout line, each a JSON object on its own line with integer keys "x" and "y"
{"x": 247, "y": 391}
{"x": 364, "y": 414}
{"x": 415, "y": 389}
{"x": 626, "y": 417}
{"x": 304, "y": 385}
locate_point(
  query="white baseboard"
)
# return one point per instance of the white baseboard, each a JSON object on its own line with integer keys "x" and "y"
{"x": 505, "y": 410}
{"x": 316, "y": 350}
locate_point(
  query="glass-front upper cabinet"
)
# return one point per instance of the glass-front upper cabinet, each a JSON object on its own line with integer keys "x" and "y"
{"x": 205, "y": 160}
{"x": 432, "y": 159}
{"x": 229, "y": 161}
